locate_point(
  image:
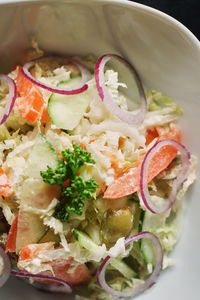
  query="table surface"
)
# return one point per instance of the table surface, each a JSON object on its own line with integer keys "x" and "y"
{"x": 185, "y": 11}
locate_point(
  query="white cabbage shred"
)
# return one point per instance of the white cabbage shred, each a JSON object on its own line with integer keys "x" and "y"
{"x": 114, "y": 145}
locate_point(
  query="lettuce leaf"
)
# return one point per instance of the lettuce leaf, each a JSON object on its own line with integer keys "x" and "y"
{"x": 159, "y": 101}
{"x": 118, "y": 284}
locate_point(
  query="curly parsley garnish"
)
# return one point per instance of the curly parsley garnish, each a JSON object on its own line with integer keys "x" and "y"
{"x": 74, "y": 190}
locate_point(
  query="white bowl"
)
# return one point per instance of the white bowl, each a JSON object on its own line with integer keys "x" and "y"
{"x": 167, "y": 56}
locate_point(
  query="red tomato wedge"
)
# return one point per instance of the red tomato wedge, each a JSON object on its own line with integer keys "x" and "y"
{"x": 31, "y": 251}
{"x": 81, "y": 273}
{"x": 60, "y": 266}
{"x": 128, "y": 181}
{"x": 12, "y": 235}
{"x": 30, "y": 103}
{"x": 5, "y": 188}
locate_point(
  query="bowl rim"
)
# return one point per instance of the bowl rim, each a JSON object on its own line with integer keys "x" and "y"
{"x": 127, "y": 3}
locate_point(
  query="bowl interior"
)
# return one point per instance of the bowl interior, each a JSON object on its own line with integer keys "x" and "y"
{"x": 166, "y": 55}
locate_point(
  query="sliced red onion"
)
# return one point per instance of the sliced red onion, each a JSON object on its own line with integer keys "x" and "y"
{"x": 66, "y": 288}
{"x": 185, "y": 156}
{"x": 149, "y": 282}
{"x": 12, "y": 95}
{"x": 106, "y": 97}
{"x": 79, "y": 88}
{"x": 6, "y": 267}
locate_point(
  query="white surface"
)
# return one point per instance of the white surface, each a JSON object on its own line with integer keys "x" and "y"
{"x": 167, "y": 57}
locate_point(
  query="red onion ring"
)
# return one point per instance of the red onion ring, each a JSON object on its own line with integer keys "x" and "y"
{"x": 66, "y": 288}
{"x": 105, "y": 96}
{"x": 79, "y": 88}
{"x": 185, "y": 156}
{"x": 6, "y": 267}
{"x": 149, "y": 282}
{"x": 12, "y": 95}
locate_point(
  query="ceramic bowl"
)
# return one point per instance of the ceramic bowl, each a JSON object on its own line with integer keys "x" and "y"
{"x": 167, "y": 56}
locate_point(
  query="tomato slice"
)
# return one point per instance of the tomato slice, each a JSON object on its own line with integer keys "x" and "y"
{"x": 60, "y": 267}
{"x": 128, "y": 181}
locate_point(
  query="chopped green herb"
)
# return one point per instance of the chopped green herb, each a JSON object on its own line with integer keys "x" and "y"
{"x": 77, "y": 191}
{"x": 57, "y": 176}
{"x": 75, "y": 159}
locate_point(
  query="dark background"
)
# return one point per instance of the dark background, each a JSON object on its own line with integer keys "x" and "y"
{"x": 185, "y": 11}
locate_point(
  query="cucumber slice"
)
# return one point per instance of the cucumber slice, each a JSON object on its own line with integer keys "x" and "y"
{"x": 84, "y": 240}
{"x": 41, "y": 156}
{"x": 116, "y": 263}
{"x": 72, "y": 82}
{"x": 151, "y": 222}
{"x": 94, "y": 233}
{"x": 66, "y": 111}
{"x": 123, "y": 268}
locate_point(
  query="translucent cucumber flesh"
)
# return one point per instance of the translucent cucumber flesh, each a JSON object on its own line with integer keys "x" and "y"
{"x": 151, "y": 222}
{"x": 66, "y": 111}
{"x": 41, "y": 156}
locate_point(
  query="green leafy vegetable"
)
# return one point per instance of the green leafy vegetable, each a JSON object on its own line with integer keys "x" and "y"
{"x": 57, "y": 176}
{"x": 74, "y": 190}
{"x": 75, "y": 159}
{"x": 78, "y": 191}
{"x": 68, "y": 166}
{"x": 158, "y": 101}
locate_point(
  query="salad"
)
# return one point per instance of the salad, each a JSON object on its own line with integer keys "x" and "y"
{"x": 91, "y": 193}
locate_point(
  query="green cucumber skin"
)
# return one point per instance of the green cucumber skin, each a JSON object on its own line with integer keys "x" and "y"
{"x": 66, "y": 84}
{"x": 84, "y": 240}
{"x": 146, "y": 245}
{"x": 49, "y": 108}
{"x": 66, "y": 111}
{"x": 42, "y": 155}
{"x": 76, "y": 234}
{"x": 42, "y": 136}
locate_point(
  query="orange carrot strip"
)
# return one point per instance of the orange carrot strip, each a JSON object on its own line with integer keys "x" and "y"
{"x": 30, "y": 103}
{"x": 128, "y": 181}
{"x": 12, "y": 235}
{"x": 45, "y": 116}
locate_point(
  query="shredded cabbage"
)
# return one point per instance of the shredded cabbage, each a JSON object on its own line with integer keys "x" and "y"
{"x": 8, "y": 214}
{"x": 157, "y": 101}
{"x": 114, "y": 145}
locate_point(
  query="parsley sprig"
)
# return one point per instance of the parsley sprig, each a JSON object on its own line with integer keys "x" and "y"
{"x": 78, "y": 190}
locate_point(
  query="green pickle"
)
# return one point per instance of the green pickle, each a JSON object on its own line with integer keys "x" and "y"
{"x": 116, "y": 223}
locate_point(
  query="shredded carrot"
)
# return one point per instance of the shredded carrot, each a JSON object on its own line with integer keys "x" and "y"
{"x": 30, "y": 103}
{"x": 83, "y": 146}
{"x": 151, "y": 135}
{"x": 5, "y": 188}
{"x": 128, "y": 181}
{"x": 92, "y": 140}
{"x": 12, "y": 235}
{"x": 45, "y": 116}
